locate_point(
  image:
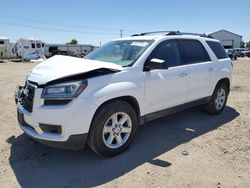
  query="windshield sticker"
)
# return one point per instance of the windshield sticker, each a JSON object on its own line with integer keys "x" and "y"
{"x": 142, "y": 44}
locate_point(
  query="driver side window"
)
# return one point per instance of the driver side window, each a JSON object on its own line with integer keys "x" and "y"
{"x": 169, "y": 52}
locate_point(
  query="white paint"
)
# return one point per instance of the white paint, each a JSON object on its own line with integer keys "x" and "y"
{"x": 60, "y": 66}
{"x": 29, "y": 49}
{"x": 5, "y": 48}
{"x": 154, "y": 90}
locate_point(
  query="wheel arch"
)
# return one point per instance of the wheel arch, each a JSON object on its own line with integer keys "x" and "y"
{"x": 226, "y": 81}
{"x": 95, "y": 128}
{"x": 127, "y": 98}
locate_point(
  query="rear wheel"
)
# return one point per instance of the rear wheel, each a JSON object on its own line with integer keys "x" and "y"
{"x": 218, "y": 99}
{"x": 113, "y": 128}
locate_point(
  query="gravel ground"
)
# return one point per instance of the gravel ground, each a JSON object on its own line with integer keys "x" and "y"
{"x": 187, "y": 149}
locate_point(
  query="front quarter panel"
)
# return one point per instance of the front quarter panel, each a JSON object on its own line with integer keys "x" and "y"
{"x": 124, "y": 83}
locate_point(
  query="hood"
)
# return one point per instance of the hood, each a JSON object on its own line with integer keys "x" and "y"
{"x": 60, "y": 66}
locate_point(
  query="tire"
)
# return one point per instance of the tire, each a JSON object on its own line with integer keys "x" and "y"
{"x": 217, "y": 102}
{"x": 108, "y": 136}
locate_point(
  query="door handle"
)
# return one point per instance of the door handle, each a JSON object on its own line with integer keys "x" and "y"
{"x": 182, "y": 75}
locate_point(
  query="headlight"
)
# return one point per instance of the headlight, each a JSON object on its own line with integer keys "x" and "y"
{"x": 65, "y": 91}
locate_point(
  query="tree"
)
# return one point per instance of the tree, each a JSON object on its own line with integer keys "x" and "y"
{"x": 73, "y": 41}
{"x": 242, "y": 44}
{"x": 248, "y": 44}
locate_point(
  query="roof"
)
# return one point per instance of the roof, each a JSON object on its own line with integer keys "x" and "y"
{"x": 73, "y": 45}
{"x": 4, "y": 38}
{"x": 224, "y": 31}
{"x": 148, "y": 37}
{"x": 34, "y": 39}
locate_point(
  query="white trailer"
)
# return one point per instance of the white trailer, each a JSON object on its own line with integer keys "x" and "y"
{"x": 29, "y": 49}
{"x": 5, "y": 48}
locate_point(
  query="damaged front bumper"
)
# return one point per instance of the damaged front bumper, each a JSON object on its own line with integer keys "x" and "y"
{"x": 61, "y": 126}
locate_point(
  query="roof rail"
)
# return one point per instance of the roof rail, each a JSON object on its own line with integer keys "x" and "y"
{"x": 194, "y": 34}
{"x": 153, "y": 32}
{"x": 167, "y": 33}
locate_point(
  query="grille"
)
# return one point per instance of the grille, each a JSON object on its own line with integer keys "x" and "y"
{"x": 28, "y": 98}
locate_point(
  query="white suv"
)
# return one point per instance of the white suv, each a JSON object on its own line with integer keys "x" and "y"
{"x": 102, "y": 98}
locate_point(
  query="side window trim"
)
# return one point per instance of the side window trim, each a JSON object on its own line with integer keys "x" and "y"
{"x": 184, "y": 57}
{"x": 208, "y": 57}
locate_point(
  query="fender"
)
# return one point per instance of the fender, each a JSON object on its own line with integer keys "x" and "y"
{"x": 221, "y": 73}
{"x": 116, "y": 90}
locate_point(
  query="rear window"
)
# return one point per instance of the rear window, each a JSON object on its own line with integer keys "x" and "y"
{"x": 1, "y": 42}
{"x": 218, "y": 49}
{"x": 193, "y": 51}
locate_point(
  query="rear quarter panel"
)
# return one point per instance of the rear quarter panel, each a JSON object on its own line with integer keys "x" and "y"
{"x": 222, "y": 67}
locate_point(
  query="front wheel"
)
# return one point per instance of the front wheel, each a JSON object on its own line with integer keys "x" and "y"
{"x": 218, "y": 99}
{"x": 113, "y": 128}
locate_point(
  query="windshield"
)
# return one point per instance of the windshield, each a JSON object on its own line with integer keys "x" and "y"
{"x": 123, "y": 52}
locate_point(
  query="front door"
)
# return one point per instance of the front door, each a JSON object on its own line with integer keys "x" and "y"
{"x": 165, "y": 88}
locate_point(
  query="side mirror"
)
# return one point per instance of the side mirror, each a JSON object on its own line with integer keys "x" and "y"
{"x": 155, "y": 60}
{"x": 155, "y": 64}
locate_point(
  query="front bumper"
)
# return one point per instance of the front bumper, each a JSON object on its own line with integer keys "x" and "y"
{"x": 74, "y": 120}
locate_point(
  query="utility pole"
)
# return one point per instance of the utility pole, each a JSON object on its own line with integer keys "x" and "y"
{"x": 121, "y": 33}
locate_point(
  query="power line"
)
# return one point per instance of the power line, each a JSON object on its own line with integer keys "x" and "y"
{"x": 65, "y": 24}
{"x": 57, "y": 23}
{"x": 56, "y": 29}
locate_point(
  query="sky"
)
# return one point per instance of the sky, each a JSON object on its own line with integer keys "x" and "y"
{"x": 98, "y": 21}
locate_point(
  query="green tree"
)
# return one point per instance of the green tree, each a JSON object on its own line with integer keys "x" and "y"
{"x": 73, "y": 41}
{"x": 248, "y": 44}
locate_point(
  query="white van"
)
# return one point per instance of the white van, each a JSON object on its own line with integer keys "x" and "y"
{"x": 29, "y": 49}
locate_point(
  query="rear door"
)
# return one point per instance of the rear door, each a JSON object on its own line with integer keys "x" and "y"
{"x": 199, "y": 68}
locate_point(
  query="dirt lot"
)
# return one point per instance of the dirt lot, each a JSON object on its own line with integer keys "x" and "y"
{"x": 187, "y": 149}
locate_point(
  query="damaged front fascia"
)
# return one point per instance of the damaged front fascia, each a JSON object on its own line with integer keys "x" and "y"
{"x": 81, "y": 76}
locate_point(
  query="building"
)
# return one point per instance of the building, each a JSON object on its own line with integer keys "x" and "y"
{"x": 227, "y": 38}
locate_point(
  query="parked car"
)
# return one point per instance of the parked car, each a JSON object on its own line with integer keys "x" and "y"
{"x": 238, "y": 52}
{"x": 101, "y": 99}
{"x": 246, "y": 53}
{"x": 232, "y": 53}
